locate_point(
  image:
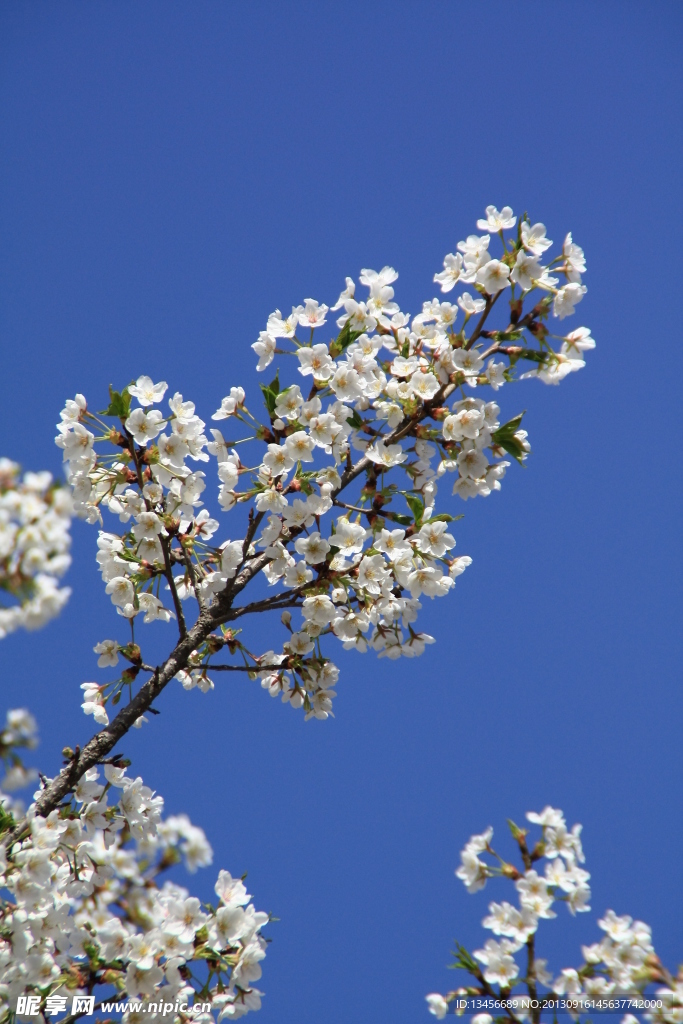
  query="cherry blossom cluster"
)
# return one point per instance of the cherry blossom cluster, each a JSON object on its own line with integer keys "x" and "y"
{"x": 35, "y": 517}
{"x": 623, "y": 963}
{"x": 83, "y": 909}
{"x": 332, "y": 497}
{"x": 20, "y": 733}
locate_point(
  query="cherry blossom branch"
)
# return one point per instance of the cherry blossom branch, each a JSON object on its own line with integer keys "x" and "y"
{"x": 172, "y": 587}
{"x": 428, "y": 363}
{"x": 246, "y": 668}
{"x": 122, "y": 848}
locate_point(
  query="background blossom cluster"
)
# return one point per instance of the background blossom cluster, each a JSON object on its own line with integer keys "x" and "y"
{"x": 622, "y": 963}
{"x": 35, "y": 520}
{"x": 83, "y": 909}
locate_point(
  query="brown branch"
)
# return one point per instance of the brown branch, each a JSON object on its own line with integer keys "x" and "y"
{"x": 244, "y": 668}
{"x": 134, "y": 456}
{"x": 254, "y": 522}
{"x": 490, "y": 991}
{"x": 490, "y": 303}
{"x": 171, "y": 583}
{"x": 268, "y": 604}
{"x": 531, "y": 976}
{"x": 104, "y": 741}
{"x": 193, "y": 577}
{"x": 354, "y": 508}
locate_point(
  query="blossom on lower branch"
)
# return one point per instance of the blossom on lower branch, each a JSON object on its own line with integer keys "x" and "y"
{"x": 35, "y": 519}
{"x": 83, "y": 909}
{"x": 623, "y": 963}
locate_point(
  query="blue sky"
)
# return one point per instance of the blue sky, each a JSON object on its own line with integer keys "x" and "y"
{"x": 170, "y": 173}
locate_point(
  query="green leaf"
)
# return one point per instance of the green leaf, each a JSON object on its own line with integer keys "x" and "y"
{"x": 270, "y": 393}
{"x": 6, "y": 820}
{"x": 355, "y": 420}
{"x": 203, "y": 953}
{"x": 462, "y": 959}
{"x": 119, "y": 404}
{"x": 416, "y": 506}
{"x": 517, "y": 832}
{"x": 345, "y": 338}
{"x": 533, "y": 355}
{"x": 303, "y": 480}
{"x": 398, "y": 517}
{"x": 443, "y": 517}
{"x": 504, "y": 335}
{"x": 505, "y": 437}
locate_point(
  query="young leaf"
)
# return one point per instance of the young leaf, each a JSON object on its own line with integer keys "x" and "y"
{"x": 355, "y": 420}
{"x": 505, "y": 437}
{"x": 416, "y": 506}
{"x": 443, "y": 517}
{"x": 345, "y": 338}
{"x": 463, "y": 960}
{"x": 398, "y": 517}
{"x": 270, "y": 393}
{"x": 532, "y": 355}
{"x": 119, "y": 404}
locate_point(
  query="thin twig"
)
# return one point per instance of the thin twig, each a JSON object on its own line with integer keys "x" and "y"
{"x": 193, "y": 576}
{"x": 490, "y": 303}
{"x": 244, "y": 668}
{"x": 251, "y": 531}
{"x": 171, "y": 583}
{"x": 353, "y": 508}
{"x": 288, "y": 600}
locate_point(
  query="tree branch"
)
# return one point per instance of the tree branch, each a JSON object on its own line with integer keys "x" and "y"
{"x": 286, "y": 600}
{"x": 103, "y": 742}
{"x": 193, "y": 577}
{"x": 171, "y": 583}
{"x": 245, "y": 668}
{"x": 490, "y": 303}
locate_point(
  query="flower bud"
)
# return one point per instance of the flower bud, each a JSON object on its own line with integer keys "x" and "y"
{"x": 264, "y": 434}
{"x": 537, "y": 329}
{"x": 515, "y": 310}
{"x": 111, "y": 977}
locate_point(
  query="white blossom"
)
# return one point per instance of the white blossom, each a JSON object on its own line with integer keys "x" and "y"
{"x": 497, "y": 220}
{"x": 146, "y": 392}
